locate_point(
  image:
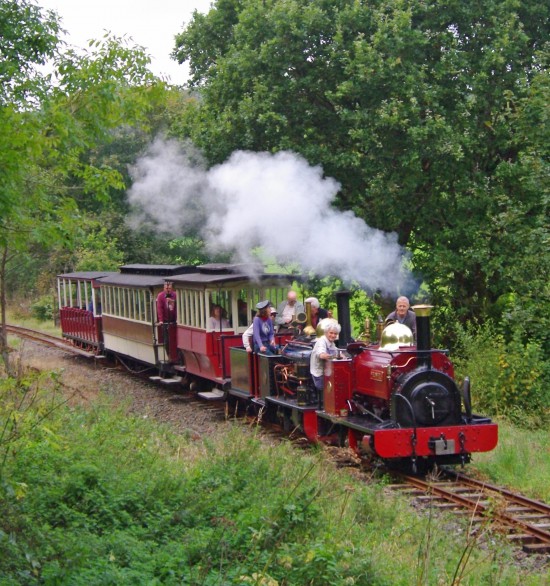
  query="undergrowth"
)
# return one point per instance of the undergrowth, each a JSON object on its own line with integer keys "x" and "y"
{"x": 92, "y": 496}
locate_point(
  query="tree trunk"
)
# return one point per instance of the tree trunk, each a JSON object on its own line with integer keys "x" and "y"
{"x": 4, "y": 350}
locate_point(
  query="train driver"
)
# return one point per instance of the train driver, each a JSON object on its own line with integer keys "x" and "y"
{"x": 287, "y": 311}
{"x": 403, "y": 314}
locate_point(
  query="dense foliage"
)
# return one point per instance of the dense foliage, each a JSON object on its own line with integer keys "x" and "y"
{"x": 95, "y": 496}
{"x": 433, "y": 118}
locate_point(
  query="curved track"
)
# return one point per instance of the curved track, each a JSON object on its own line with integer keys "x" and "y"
{"x": 48, "y": 340}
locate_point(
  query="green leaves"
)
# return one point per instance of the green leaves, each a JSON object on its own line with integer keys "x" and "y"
{"x": 433, "y": 118}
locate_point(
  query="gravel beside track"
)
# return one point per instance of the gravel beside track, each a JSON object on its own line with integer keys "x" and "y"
{"x": 85, "y": 380}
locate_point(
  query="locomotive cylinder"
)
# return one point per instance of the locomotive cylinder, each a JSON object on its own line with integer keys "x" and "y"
{"x": 423, "y": 334}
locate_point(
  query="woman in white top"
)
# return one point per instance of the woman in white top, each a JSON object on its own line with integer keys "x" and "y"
{"x": 217, "y": 319}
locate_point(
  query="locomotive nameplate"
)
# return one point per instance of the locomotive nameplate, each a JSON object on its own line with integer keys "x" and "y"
{"x": 377, "y": 375}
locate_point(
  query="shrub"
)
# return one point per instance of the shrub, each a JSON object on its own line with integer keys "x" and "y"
{"x": 42, "y": 309}
{"x": 508, "y": 378}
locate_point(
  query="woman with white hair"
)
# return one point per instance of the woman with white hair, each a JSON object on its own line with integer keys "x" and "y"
{"x": 324, "y": 349}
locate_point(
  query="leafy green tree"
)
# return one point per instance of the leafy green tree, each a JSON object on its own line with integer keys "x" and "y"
{"x": 47, "y": 129}
{"x": 433, "y": 118}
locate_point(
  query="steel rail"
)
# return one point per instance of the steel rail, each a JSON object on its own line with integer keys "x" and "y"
{"x": 449, "y": 493}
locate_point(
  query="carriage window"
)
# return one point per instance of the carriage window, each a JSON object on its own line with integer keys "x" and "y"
{"x": 243, "y": 308}
{"x": 74, "y": 293}
{"x": 220, "y": 310}
{"x": 190, "y": 308}
{"x": 128, "y": 303}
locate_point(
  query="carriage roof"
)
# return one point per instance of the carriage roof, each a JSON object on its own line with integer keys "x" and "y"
{"x": 86, "y": 275}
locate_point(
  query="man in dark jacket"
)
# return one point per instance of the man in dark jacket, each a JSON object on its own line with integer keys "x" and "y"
{"x": 403, "y": 314}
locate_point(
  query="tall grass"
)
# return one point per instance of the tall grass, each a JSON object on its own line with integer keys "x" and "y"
{"x": 96, "y": 497}
{"x": 521, "y": 460}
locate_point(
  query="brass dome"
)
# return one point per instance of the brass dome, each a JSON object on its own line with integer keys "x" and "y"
{"x": 320, "y": 331}
{"x": 394, "y": 336}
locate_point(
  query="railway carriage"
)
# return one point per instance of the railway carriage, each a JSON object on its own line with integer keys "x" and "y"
{"x": 130, "y": 322}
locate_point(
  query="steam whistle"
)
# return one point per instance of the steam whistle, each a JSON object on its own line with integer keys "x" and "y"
{"x": 298, "y": 319}
{"x": 365, "y": 335}
{"x": 309, "y": 330}
{"x": 379, "y": 328}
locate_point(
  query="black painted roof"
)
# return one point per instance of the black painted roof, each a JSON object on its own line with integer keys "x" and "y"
{"x": 158, "y": 270}
{"x": 220, "y": 278}
{"x": 133, "y": 280}
{"x": 86, "y": 275}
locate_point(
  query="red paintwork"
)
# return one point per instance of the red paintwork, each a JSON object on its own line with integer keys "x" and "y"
{"x": 396, "y": 443}
{"x": 80, "y": 324}
{"x": 206, "y": 354}
{"x": 310, "y": 425}
{"x": 338, "y": 386}
{"x": 372, "y": 367}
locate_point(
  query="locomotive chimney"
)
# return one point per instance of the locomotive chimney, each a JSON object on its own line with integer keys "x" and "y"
{"x": 423, "y": 335}
{"x": 342, "y": 305}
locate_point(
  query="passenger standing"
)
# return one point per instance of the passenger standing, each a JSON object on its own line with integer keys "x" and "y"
{"x": 166, "y": 313}
{"x": 262, "y": 327}
{"x": 324, "y": 349}
{"x": 166, "y": 304}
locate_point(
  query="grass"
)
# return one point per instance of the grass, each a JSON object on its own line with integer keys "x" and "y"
{"x": 22, "y": 317}
{"x": 92, "y": 496}
{"x": 520, "y": 461}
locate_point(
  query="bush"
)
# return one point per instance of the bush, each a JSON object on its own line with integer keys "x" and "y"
{"x": 509, "y": 379}
{"x": 43, "y": 308}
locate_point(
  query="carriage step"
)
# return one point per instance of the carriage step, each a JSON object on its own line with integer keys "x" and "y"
{"x": 166, "y": 381}
{"x": 214, "y": 395}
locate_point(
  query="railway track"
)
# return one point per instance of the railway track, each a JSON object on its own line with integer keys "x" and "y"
{"x": 48, "y": 340}
{"x": 526, "y": 521}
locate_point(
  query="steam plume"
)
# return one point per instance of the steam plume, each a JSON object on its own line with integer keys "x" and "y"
{"x": 278, "y": 202}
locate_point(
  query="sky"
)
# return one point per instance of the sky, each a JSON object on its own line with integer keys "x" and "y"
{"x": 150, "y": 23}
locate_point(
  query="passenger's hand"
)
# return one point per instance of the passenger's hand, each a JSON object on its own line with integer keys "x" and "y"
{"x": 249, "y": 349}
{"x": 263, "y": 348}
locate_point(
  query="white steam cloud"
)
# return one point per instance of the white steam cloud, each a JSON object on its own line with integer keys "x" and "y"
{"x": 278, "y": 202}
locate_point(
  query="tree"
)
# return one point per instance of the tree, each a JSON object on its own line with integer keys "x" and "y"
{"x": 46, "y": 129}
{"x": 434, "y": 119}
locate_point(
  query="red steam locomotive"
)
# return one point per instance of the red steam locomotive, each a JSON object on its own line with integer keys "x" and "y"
{"x": 395, "y": 400}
